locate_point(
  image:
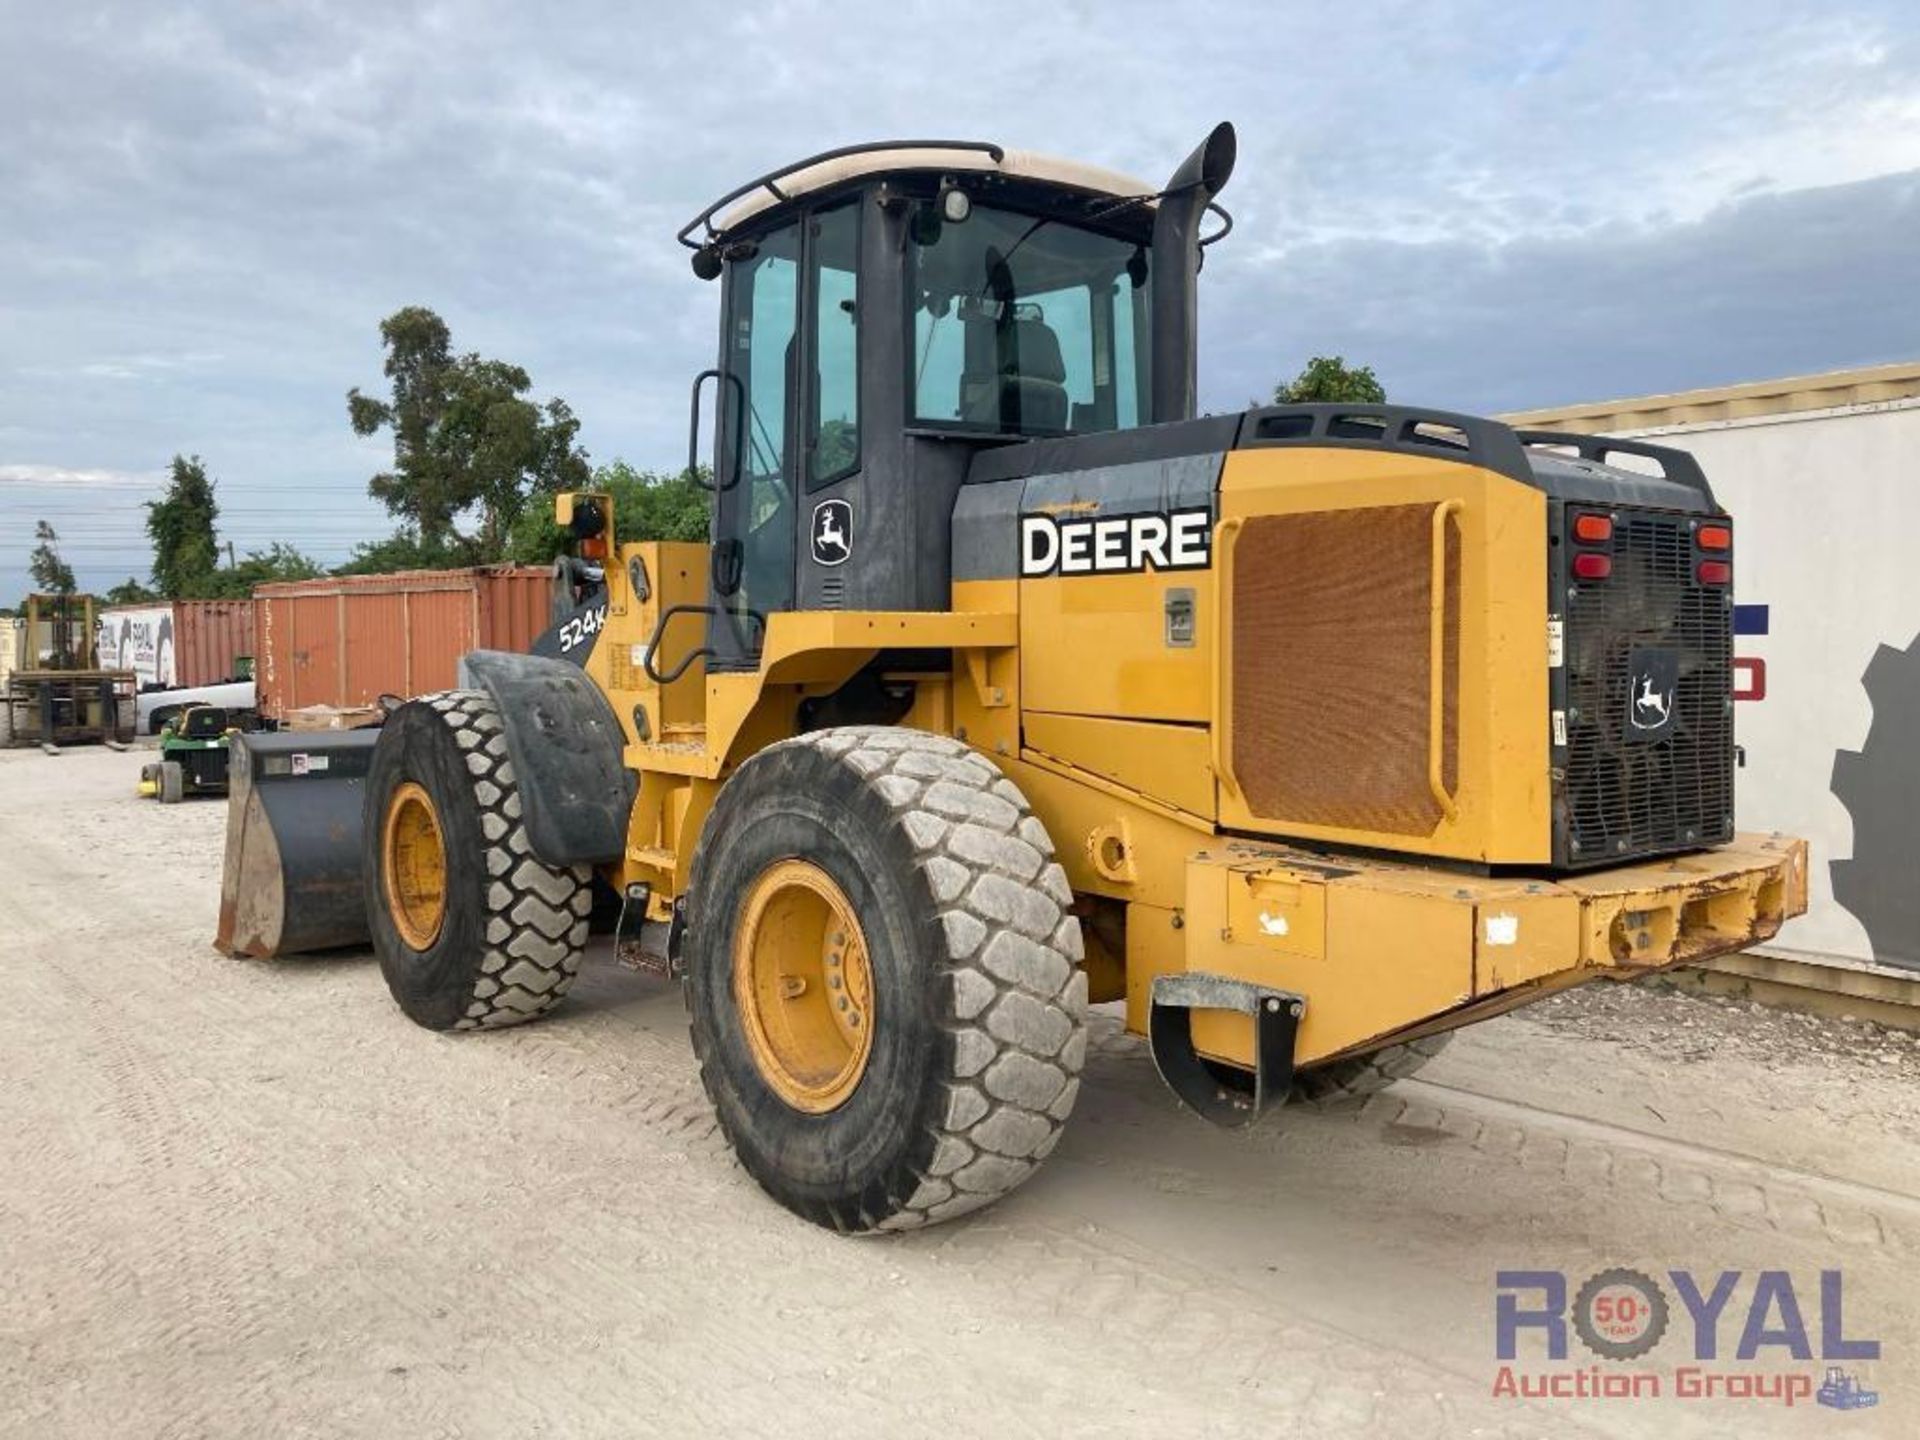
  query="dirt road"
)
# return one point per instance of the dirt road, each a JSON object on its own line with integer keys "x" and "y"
{"x": 251, "y": 1199}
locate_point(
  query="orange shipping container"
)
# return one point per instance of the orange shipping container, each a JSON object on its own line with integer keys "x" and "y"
{"x": 209, "y": 638}
{"x": 345, "y": 641}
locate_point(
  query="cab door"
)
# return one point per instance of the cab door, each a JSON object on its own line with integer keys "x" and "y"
{"x": 789, "y": 456}
{"x": 757, "y": 461}
{"x": 836, "y": 502}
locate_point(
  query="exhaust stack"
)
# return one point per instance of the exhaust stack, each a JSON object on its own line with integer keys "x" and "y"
{"x": 1176, "y": 269}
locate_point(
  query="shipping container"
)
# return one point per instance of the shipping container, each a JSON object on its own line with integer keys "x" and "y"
{"x": 212, "y": 640}
{"x": 347, "y": 640}
{"x": 178, "y": 644}
{"x": 1817, "y": 472}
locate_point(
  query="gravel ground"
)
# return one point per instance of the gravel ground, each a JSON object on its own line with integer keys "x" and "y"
{"x": 1691, "y": 1028}
{"x": 251, "y": 1199}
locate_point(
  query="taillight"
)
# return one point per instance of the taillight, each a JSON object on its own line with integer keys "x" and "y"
{"x": 1591, "y": 566}
{"x": 1714, "y": 537}
{"x": 1715, "y": 572}
{"x": 1593, "y": 529}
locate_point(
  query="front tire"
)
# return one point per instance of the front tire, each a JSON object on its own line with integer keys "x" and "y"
{"x": 899, "y": 871}
{"x": 173, "y": 782}
{"x": 472, "y": 930}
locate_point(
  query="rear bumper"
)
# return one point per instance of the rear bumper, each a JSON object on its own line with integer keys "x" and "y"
{"x": 1382, "y": 951}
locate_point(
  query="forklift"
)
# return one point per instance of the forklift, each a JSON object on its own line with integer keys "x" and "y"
{"x": 53, "y": 692}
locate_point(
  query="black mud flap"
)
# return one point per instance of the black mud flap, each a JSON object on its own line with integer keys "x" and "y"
{"x": 292, "y": 879}
{"x": 567, "y": 750}
{"x": 1224, "y": 1094}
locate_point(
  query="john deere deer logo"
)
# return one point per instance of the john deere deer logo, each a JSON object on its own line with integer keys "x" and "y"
{"x": 832, "y": 532}
{"x": 1653, "y": 687}
{"x": 1650, "y": 707}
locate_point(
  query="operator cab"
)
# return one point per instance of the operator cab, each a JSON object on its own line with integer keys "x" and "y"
{"x": 890, "y": 310}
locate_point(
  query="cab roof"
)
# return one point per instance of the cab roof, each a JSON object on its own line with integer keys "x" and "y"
{"x": 893, "y": 157}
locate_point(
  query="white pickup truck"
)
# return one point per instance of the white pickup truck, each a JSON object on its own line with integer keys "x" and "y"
{"x": 153, "y": 708}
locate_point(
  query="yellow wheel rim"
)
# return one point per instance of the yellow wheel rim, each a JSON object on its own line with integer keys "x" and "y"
{"x": 803, "y": 986}
{"x": 413, "y": 856}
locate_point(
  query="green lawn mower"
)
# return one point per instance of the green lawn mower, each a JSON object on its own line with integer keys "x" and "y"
{"x": 194, "y": 756}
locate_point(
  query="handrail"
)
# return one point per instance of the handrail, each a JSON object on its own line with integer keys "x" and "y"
{"x": 717, "y": 483}
{"x": 1436, "y": 663}
{"x": 1224, "y": 535}
{"x": 659, "y": 633}
{"x": 698, "y": 652}
{"x": 771, "y": 180}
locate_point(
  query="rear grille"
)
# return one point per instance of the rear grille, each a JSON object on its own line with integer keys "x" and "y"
{"x": 1332, "y": 668}
{"x": 1621, "y": 796}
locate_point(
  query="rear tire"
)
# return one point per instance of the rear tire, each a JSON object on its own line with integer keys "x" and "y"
{"x": 976, "y": 1005}
{"x": 493, "y": 937}
{"x": 173, "y": 782}
{"x": 1353, "y": 1080}
{"x": 6, "y": 721}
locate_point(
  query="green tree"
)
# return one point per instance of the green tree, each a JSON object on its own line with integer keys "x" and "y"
{"x": 647, "y": 505}
{"x": 402, "y": 550}
{"x": 465, "y": 437}
{"x": 51, "y": 574}
{"x": 130, "y": 592}
{"x": 185, "y": 549}
{"x": 1328, "y": 379}
{"x": 279, "y": 561}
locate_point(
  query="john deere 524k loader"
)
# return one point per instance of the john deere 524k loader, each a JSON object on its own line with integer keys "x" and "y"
{"x": 1008, "y": 685}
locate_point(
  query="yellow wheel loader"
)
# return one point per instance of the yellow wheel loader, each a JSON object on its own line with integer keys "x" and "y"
{"x": 1008, "y": 685}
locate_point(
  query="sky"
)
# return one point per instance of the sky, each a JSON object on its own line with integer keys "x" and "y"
{"x": 206, "y": 209}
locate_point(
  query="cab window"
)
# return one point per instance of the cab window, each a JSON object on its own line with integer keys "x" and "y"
{"x": 1025, "y": 325}
{"x": 754, "y": 521}
{"x": 834, "y": 439}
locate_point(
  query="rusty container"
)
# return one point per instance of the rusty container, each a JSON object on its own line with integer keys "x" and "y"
{"x": 344, "y": 641}
{"x": 211, "y": 640}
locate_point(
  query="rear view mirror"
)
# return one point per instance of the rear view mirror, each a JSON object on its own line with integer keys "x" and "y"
{"x": 588, "y": 519}
{"x": 924, "y": 225}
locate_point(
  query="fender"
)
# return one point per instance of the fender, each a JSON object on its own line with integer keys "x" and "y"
{"x": 566, "y": 745}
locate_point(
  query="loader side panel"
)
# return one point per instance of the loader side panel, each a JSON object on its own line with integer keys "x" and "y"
{"x": 1112, "y": 562}
{"x": 1384, "y": 653}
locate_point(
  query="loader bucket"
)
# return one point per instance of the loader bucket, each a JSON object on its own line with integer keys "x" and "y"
{"x": 292, "y": 880}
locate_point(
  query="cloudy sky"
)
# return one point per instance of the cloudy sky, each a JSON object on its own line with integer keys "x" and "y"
{"x": 205, "y": 209}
